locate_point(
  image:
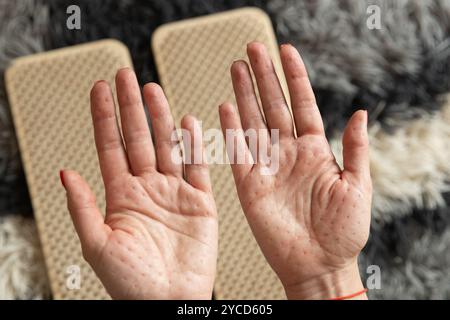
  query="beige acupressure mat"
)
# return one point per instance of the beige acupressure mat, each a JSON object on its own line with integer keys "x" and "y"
{"x": 193, "y": 58}
{"x": 49, "y": 98}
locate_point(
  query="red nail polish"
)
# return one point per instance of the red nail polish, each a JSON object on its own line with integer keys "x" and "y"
{"x": 61, "y": 176}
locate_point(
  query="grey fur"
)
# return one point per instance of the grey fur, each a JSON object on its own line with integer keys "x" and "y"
{"x": 424, "y": 274}
{"x": 384, "y": 69}
{"x": 23, "y": 25}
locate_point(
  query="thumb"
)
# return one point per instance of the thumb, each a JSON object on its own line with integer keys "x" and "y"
{"x": 87, "y": 219}
{"x": 356, "y": 148}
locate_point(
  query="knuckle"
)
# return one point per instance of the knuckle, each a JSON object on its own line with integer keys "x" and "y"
{"x": 275, "y": 105}
{"x": 109, "y": 144}
{"x": 138, "y": 137}
{"x": 305, "y": 104}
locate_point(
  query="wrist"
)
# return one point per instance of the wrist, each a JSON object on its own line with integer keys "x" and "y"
{"x": 338, "y": 283}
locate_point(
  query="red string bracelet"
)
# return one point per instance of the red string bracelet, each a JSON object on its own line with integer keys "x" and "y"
{"x": 351, "y": 295}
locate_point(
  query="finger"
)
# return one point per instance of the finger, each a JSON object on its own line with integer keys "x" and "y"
{"x": 112, "y": 157}
{"x": 240, "y": 158}
{"x": 272, "y": 98}
{"x": 87, "y": 219}
{"x": 136, "y": 132}
{"x": 356, "y": 147}
{"x": 303, "y": 102}
{"x": 249, "y": 110}
{"x": 196, "y": 168}
{"x": 248, "y": 106}
{"x": 163, "y": 128}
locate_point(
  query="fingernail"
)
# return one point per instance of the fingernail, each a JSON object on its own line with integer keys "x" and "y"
{"x": 252, "y": 43}
{"x": 292, "y": 50}
{"x": 235, "y": 63}
{"x": 364, "y": 122}
{"x": 127, "y": 69}
{"x": 98, "y": 81}
{"x": 61, "y": 177}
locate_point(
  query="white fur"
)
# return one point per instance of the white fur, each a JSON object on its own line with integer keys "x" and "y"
{"x": 411, "y": 167}
{"x": 22, "y": 268}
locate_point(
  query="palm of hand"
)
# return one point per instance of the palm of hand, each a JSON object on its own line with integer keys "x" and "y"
{"x": 159, "y": 237}
{"x": 158, "y": 224}
{"x": 310, "y": 218}
{"x": 309, "y": 214}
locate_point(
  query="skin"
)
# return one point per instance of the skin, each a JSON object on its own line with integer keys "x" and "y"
{"x": 311, "y": 218}
{"x": 158, "y": 239}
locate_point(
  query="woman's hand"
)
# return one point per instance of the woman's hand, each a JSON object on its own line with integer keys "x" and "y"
{"x": 159, "y": 237}
{"x": 310, "y": 218}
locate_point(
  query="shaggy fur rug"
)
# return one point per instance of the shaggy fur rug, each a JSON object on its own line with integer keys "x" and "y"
{"x": 400, "y": 73}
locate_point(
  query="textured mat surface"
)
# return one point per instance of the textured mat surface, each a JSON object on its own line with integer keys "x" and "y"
{"x": 49, "y": 96}
{"x": 193, "y": 59}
